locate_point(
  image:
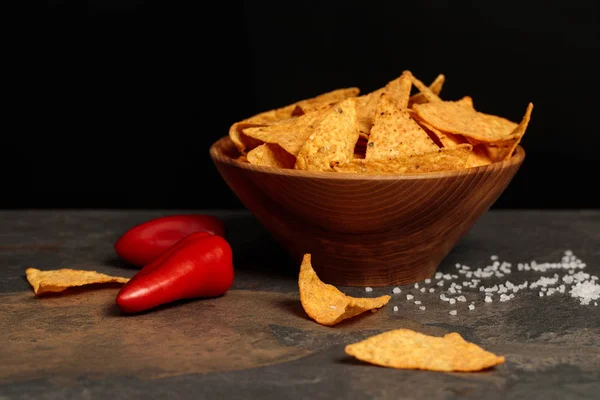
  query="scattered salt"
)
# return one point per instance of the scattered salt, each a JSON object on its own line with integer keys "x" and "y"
{"x": 452, "y": 301}
{"x": 395, "y": 308}
{"x": 471, "y": 307}
{"x": 427, "y": 280}
{"x": 417, "y": 302}
{"x": 461, "y": 298}
{"x": 431, "y": 290}
{"x": 453, "y": 312}
{"x": 409, "y": 297}
{"x": 397, "y": 290}
{"x": 368, "y": 289}
{"x": 422, "y": 308}
{"x": 423, "y": 290}
{"x": 488, "y": 299}
{"x": 416, "y": 285}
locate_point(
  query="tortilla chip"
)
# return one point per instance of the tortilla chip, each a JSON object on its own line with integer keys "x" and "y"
{"x": 367, "y": 103}
{"x": 271, "y": 155}
{"x": 435, "y": 87}
{"x": 425, "y": 91}
{"x": 325, "y": 304}
{"x": 290, "y": 134}
{"x": 242, "y": 141}
{"x": 394, "y": 133}
{"x": 325, "y": 99}
{"x": 399, "y": 89}
{"x": 460, "y": 119}
{"x": 444, "y": 138}
{"x": 520, "y": 130}
{"x": 333, "y": 139}
{"x": 242, "y": 158}
{"x": 447, "y": 159}
{"x": 62, "y": 279}
{"x": 407, "y": 349}
{"x": 478, "y": 157}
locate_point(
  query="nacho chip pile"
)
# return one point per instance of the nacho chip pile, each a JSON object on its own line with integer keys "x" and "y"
{"x": 61, "y": 279}
{"x": 388, "y": 131}
{"x": 327, "y": 305}
{"x": 407, "y": 349}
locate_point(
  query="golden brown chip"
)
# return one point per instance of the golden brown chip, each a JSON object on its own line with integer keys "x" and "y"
{"x": 333, "y": 139}
{"x": 435, "y": 87}
{"x": 407, "y": 349}
{"x": 520, "y": 130}
{"x": 242, "y": 158}
{"x": 394, "y": 133}
{"x": 325, "y": 304}
{"x": 242, "y": 141}
{"x": 478, "y": 157}
{"x": 61, "y": 279}
{"x": 447, "y": 159}
{"x": 429, "y": 94}
{"x": 290, "y": 134}
{"x": 326, "y": 99}
{"x": 398, "y": 90}
{"x": 366, "y": 104}
{"x": 458, "y": 118}
{"x": 271, "y": 155}
{"x": 445, "y": 139}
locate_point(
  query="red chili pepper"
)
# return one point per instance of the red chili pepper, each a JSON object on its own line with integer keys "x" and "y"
{"x": 199, "y": 265}
{"x": 143, "y": 243}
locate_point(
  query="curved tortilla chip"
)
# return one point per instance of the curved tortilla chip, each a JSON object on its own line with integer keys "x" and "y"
{"x": 326, "y": 99}
{"x": 325, "y": 304}
{"x": 407, "y": 349}
{"x": 458, "y": 118}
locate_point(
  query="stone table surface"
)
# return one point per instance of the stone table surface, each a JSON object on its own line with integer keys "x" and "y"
{"x": 257, "y": 342}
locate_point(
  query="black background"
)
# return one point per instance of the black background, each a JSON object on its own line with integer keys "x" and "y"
{"x": 126, "y": 97}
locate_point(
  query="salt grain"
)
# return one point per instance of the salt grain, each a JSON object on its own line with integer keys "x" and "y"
{"x": 416, "y": 285}
{"x": 423, "y": 290}
{"x": 471, "y": 307}
{"x": 461, "y": 298}
{"x": 395, "y": 308}
{"x": 409, "y": 297}
{"x": 417, "y": 302}
{"x": 453, "y": 312}
{"x": 397, "y": 290}
{"x": 368, "y": 289}
{"x": 427, "y": 280}
{"x": 422, "y": 308}
{"x": 488, "y": 299}
{"x": 452, "y": 301}
{"x": 431, "y": 290}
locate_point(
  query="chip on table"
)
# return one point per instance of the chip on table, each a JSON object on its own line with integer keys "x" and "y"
{"x": 407, "y": 349}
{"x": 325, "y": 303}
{"x": 54, "y": 281}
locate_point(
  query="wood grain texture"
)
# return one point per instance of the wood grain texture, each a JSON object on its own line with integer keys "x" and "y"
{"x": 377, "y": 230}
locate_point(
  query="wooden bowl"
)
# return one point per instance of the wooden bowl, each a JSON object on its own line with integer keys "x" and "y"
{"x": 377, "y": 230}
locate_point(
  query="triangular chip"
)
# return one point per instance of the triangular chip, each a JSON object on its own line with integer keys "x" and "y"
{"x": 242, "y": 141}
{"x": 290, "y": 134}
{"x": 447, "y": 159}
{"x": 271, "y": 155}
{"x": 62, "y": 279}
{"x": 478, "y": 157}
{"x": 399, "y": 89}
{"x": 435, "y": 87}
{"x": 333, "y": 139}
{"x": 394, "y": 132}
{"x": 461, "y": 119}
{"x": 325, "y": 99}
{"x": 407, "y": 349}
{"x": 325, "y": 304}
{"x": 425, "y": 91}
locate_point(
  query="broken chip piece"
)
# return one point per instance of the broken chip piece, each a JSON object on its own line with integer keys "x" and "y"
{"x": 62, "y": 279}
{"x": 327, "y": 305}
{"x": 407, "y": 349}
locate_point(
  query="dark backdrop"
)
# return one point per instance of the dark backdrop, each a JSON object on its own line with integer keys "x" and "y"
{"x": 126, "y": 96}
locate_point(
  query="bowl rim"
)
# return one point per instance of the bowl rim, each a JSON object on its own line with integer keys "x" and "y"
{"x": 218, "y": 156}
